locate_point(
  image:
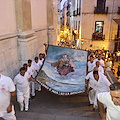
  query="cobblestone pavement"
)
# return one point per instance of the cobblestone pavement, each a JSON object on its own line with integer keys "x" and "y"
{"x": 48, "y": 106}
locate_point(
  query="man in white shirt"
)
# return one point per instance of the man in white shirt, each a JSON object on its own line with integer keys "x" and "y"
{"x": 22, "y": 85}
{"x": 100, "y": 69}
{"x": 91, "y": 64}
{"x": 112, "y": 101}
{"x": 41, "y": 57}
{"x": 33, "y": 72}
{"x": 88, "y": 79}
{"x": 100, "y": 60}
{"x": 37, "y": 63}
{"x": 100, "y": 84}
{"x": 7, "y": 95}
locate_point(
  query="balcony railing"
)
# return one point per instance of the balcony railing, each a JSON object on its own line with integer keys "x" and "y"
{"x": 101, "y": 10}
{"x": 75, "y": 13}
{"x": 98, "y": 36}
{"x": 118, "y": 10}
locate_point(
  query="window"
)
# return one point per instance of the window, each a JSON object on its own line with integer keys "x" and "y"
{"x": 99, "y": 26}
{"x": 98, "y": 34}
{"x": 101, "y": 4}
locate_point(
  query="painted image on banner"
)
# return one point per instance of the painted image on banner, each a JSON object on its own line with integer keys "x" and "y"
{"x": 64, "y": 69}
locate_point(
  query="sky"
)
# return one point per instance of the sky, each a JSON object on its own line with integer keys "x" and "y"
{"x": 63, "y": 1}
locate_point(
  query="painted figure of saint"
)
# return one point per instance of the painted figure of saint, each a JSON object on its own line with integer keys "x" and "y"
{"x": 64, "y": 65}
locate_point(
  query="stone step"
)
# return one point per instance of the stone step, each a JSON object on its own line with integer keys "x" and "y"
{"x": 39, "y": 116}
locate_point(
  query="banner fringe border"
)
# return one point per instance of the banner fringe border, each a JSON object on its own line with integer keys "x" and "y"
{"x": 58, "y": 92}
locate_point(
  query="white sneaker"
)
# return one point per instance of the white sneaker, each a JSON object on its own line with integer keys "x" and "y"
{"x": 39, "y": 88}
{"x": 21, "y": 107}
{"x": 26, "y": 109}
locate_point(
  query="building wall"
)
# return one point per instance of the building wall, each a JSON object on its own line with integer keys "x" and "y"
{"x": 88, "y": 24}
{"x": 56, "y": 20}
{"x": 8, "y": 56}
{"x": 39, "y": 13}
{"x": 7, "y": 17}
{"x": 8, "y": 39}
{"x": 39, "y": 24}
{"x": 20, "y": 41}
{"x": 41, "y": 39}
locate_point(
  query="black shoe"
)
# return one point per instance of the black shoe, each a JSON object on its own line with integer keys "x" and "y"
{"x": 32, "y": 97}
{"x": 90, "y": 104}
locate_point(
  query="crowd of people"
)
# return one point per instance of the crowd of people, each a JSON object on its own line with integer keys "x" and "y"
{"x": 24, "y": 84}
{"x": 101, "y": 92}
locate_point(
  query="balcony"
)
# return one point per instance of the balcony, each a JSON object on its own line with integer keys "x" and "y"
{"x": 118, "y": 10}
{"x": 101, "y": 10}
{"x": 75, "y": 13}
{"x": 98, "y": 36}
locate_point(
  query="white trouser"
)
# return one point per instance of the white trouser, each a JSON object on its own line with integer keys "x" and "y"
{"x": 92, "y": 96}
{"x": 32, "y": 88}
{"x": 23, "y": 97}
{"x": 9, "y": 116}
{"x": 37, "y": 86}
{"x": 95, "y": 101}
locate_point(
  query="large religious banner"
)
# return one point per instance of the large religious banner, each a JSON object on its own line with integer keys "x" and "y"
{"x": 64, "y": 70}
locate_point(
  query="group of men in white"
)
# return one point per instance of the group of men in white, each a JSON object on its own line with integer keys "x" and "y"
{"x": 25, "y": 83}
{"x": 100, "y": 91}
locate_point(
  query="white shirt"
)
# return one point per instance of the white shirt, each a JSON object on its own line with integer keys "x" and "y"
{"x": 100, "y": 69}
{"x": 27, "y": 75}
{"x": 113, "y": 111}
{"x": 90, "y": 77}
{"x": 31, "y": 69}
{"x": 101, "y": 85}
{"x": 37, "y": 65}
{"x": 91, "y": 66}
{"x": 42, "y": 59}
{"x": 101, "y": 62}
{"x": 21, "y": 82}
{"x": 40, "y": 62}
{"x": 6, "y": 86}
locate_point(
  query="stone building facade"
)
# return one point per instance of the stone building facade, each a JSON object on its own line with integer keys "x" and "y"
{"x": 25, "y": 26}
{"x": 95, "y": 22}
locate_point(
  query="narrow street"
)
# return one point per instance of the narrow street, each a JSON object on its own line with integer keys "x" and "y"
{"x": 48, "y": 106}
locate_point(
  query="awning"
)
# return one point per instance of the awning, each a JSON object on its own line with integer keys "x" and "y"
{"x": 117, "y": 21}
